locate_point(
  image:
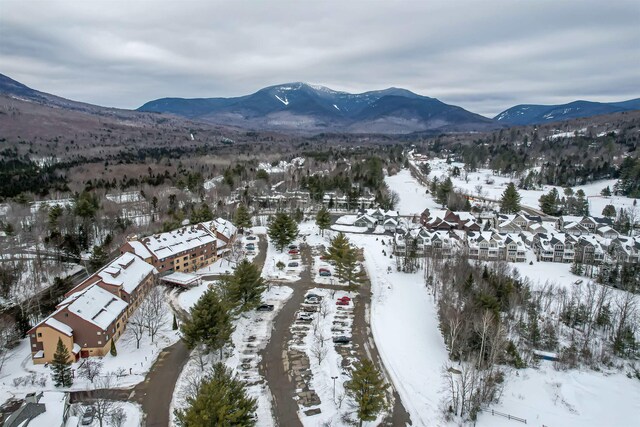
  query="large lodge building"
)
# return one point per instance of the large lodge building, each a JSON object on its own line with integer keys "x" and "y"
{"x": 96, "y": 311}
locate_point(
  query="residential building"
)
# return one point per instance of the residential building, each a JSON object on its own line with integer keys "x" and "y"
{"x": 45, "y": 408}
{"x": 554, "y": 247}
{"x": 625, "y": 249}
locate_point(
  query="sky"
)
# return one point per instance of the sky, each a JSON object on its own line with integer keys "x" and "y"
{"x": 482, "y": 55}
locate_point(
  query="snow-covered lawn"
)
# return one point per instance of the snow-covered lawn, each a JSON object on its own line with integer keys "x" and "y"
{"x": 349, "y": 228}
{"x": 405, "y": 327}
{"x": 572, "y": 398}
{"x": 347, "y": 219}
{"x": 252, "y": 332}
{"x": 128, "y": 368}
{"x": 413, "y": 196}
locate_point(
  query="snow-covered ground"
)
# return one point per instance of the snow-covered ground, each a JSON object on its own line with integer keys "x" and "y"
{"x": 405, "y": 327}
{"x": 252, "y": 332}
{"x": 129, "y": 367}
{"x": 413, "y": 196}
{"x": 404, "y": 323}
{"x": 492, "y": 187}
{"x": 319, "y": 340}
{"x": 349, "y": 228}
{"x": 290, "y": 272}
{"x": 133, "y": 413}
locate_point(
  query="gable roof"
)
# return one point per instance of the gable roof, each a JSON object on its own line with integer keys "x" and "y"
{"x": 95, "y": 305}
{"x": 128, "y": 271}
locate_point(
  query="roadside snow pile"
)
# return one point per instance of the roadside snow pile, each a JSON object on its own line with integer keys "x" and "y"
{"x": 252, "y": 332}
{"x": 347, "y": 219}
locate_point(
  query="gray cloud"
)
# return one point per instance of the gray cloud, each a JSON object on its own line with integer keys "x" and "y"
{"x": 482, "y": 55}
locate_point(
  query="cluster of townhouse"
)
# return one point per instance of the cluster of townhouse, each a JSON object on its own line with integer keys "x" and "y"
{"x": 95, "y": 312}
{"x": 515, "y": 238}
{"x": 372, "y": 218}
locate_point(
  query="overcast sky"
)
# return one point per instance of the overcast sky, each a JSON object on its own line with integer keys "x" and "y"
{"x": 483, "y": 55}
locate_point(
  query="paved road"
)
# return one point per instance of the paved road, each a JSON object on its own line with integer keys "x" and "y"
{"x": 274, "y": 362}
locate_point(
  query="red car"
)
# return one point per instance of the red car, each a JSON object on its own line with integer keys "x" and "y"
{"x": 294, "y": 251}
{"x": 321, "y": 269}
{"x": 345, "y": 298}
{"x": 342, "y": 302}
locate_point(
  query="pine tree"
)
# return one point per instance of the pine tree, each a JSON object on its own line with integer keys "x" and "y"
{"x": 209, "y": 323}
{"x": 242, "y": 217}
{"x": 201, "y": 215}
{"x": 282, "y": 230}
{"x": 98, "y": 258}
{"x": 582, "y": 203}
{"x": 61, "y": 366}
{"x": 549, "y": 203}
{"x": 221, "y": 401}
{"x": 174, "y": 325}
{"x": 113, "y": 350}
{"x": 443, "y": 190}
{"x": 367, "y": 388}
{"x": 244, "y": 288}
{"x": 323, "y": 220}
{"x": 510, "y": 202}
{"x": 298, "y": 215}
{"x": 609, "y": 211}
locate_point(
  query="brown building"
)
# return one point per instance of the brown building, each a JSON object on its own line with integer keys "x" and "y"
{"x": 94, "y": 312}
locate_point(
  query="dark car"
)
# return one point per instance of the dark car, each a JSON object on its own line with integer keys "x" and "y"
{"x": 88, "y": 415}
{"x": 252, "y": 238}
{"x": 293, "y": 264}
{"x": 341, "y": 340}
{"x": 265, "y": 307}
{"x": 325, "y": 273}
{"x": 293, "y": 246}
{"x": 310, "y": 295}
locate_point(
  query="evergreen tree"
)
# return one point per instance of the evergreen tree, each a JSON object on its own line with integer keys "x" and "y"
{"x": 61, "y": 366}
{"x": 174, "y": 325}
{"x": 606, "y": 191}
{"x": 323, "y": 220}
{"x": 298, "y": 215}
{"x": 221, "y": 401}
{"x": 367, "y": 388}
{"x": 242, "y": 217}
{"x": 201, "y": 215}
{"x": 443, "y": 190}
{"x": 510, "y": 202}
{"x": 99, "y": 257}
{"x": 113, "y": 350}
{"x": 282, "y": 230}
{"x": 609, "y": 211}
{"x": 209, "y": 323}
{"x": 582, "y": 204}
{"x": 244, "y": 288}
{"x": 549, "y": 203}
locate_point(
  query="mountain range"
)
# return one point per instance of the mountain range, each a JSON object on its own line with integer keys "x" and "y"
{"x": 301, "y": 107}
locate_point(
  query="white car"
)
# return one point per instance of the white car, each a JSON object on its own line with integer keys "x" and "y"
{"x": 305, "y": 316}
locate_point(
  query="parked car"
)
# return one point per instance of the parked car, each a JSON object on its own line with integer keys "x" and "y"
{"x": 252, "y": 238}
{"x": 321, "y": 269}
{"x": 294, "y": 251}
{"x": 265, "y": 307}
{"x": 324, "y": 257}
{"x": 341, "y": 340}
{"x": 250, "y": 247}
{"x": 310, "y": 295}
{"x": 344, "y": 298}
{"x": 342, "y": 302}
{"x": 293, "y": 246}
{"x": 293, "y": 264}
{"x": 88, "y": 415}
{"x": 312, "y": 300}
{"x": 305, "y": 317}
{"x": 325, "y": 273}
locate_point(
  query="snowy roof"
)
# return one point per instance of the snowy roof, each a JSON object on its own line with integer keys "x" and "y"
{"x": 180, "y": 278}
{"x": 224, "y": 227}
{"x": 177, "y": 241}
{"x": 95, "y": 305}
{"x": 128, "y": 271}
{"x": 59, "y": 326}
{"x": 140, "y": 249}
{"x": 55, "y": 403}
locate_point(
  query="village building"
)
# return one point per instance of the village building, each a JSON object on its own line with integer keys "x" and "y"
{"x": 554, "y": 247}
{"x": 94, "y": 312}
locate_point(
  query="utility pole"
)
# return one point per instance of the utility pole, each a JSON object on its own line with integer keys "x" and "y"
{"x": 334, "y": 387}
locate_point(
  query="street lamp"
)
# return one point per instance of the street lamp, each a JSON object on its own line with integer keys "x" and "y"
{"x": 334, "y": 387}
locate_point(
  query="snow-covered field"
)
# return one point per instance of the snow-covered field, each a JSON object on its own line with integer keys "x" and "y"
{"x": 492, "y": 187}
{"x": 413, "y": 196}
{"x": 404, "y": 323}
{"x": 129, "y": 367}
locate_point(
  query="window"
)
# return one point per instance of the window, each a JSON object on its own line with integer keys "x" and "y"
{"x": 99, "y": 342}
{"x": 99, "y": 333}
{"x": 33, "y": 345}
{"x": 39, "y": 334}
{"x": 33, "y": 335}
